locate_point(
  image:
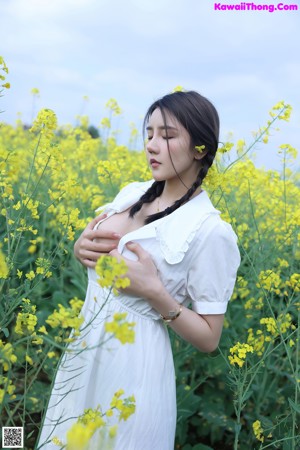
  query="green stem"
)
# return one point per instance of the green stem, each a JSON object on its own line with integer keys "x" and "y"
{"x": 23, "y": 208}
{"x": 256, "y": 140}
{"x": 284, "y": 188}
{"x": 13, "y": 412}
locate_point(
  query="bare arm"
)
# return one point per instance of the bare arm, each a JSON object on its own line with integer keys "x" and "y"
{"x": 87, "y": 250}
{"x": 203, "y": 331}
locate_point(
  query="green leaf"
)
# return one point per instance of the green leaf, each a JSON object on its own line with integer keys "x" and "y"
{"x": 294, "y": 406}
{"x": 5, "y": 332}
{"x": 202, "y": 447}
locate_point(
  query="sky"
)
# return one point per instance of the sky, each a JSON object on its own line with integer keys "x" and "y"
{"x": 135, "y": 51}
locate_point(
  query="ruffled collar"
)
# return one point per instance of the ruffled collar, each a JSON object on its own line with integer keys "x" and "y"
{"x": 174, "y": 232}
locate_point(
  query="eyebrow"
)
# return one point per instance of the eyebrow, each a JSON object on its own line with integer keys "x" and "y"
{"x": 163, "y": 127}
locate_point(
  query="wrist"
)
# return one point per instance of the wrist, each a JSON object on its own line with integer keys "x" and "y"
{"x": 163, "y": 302}
{"x": 172, "y": 315}
{"x": 154, "y": 292}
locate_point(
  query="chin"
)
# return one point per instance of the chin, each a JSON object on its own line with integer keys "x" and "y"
{"x": 158, "y": 178}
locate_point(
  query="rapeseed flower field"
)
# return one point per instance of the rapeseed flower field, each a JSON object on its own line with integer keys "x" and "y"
{"x": 243, "y": 396}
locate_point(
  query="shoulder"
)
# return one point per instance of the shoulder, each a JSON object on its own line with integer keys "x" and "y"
{"x": 208, "y": 220}
{"x": 127, "y": 196}
{"x": 214, "y": 227}
{"x": 215, "y": 238}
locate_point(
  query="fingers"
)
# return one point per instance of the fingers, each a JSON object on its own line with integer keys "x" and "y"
{"x": 94, "y": 222}
{"x": 93, "y": 256}
{"x": 106, "y": 246}
{"x": 138, "y": 250}
{"x": 101, "y": 234}
{"x": 89, "y": 263}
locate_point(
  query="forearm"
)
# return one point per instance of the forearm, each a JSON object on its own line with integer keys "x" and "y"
{"x": 202, "y": 332}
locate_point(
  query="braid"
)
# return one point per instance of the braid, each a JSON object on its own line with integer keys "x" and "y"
{"x": 151, "y": 194}
{"x": 206, "y": 163}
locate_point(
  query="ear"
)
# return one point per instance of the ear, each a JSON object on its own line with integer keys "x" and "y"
{"x": 199, "y": 152}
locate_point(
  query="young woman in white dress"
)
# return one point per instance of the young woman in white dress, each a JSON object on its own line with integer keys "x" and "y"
{"x": 182, "y": 261}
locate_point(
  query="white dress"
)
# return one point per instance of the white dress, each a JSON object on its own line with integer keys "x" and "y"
{"x": 197, "y": 258}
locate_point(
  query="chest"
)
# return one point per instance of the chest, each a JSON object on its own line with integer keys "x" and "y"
{"x": 122, "y": 224}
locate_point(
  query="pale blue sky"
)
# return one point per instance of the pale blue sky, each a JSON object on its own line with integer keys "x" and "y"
{"x": 138, "y": 50}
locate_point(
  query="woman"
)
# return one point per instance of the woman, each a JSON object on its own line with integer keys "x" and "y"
{"x": 179, "y": 253}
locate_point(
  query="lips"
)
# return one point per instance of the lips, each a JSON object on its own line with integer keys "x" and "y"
{"x": 153, "y": 161}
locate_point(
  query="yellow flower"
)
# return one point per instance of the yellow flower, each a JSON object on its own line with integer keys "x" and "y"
{"x": 239, "y": 353}
{"x": 35, "y": 92}
{"x": 30, "y": 275}
{"x": 32, "y": 249}
{"x": 57, "y": 441}
{"x": 105, "y": 122}
{"x": 112, "y": 104}
{"x": 283, "y": 263}
{"x": 7, "y": 357}
{"x": 46, "y": 119}
{"x": 37, "y": 340}
{"x": 294, "y": 282}
{"x": 126, "y": 407}
{"x": 258, "y": 431}
{"x": 111, "y": 273}
{"x": 67, "y": 317}
{"x": 270, "y": 281}
{"x": 79, "y": 435}
{"x": 178, "y": 89}
{"x": 42, "y": 329}
{"x": 7, "y": 388}
{"x": 113, "y": 431}
{"x": 3, "y": 265}
{"x": 257, "y": 341}
{"x": 200, "y": 148}
{"x": 29, "y": 359}
{"x": 270, "y": 324}
{"x": 26, "y": 320}
{"x": 240, "y": 146}
{"x": 121, "y": 329}
{"x": 288, "y": 151}
{"x": 226, "y": 147}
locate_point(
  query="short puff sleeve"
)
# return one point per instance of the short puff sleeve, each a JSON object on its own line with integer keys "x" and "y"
{"x": 213, "y": 269}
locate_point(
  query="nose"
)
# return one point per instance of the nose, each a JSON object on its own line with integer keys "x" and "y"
{"x": 152, "y": 145}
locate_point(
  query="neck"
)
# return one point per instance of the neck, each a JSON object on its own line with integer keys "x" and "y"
{"x": 174, "y": 190}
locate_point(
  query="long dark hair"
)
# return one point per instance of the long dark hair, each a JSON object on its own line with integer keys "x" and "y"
{"x": 201, "y": 120}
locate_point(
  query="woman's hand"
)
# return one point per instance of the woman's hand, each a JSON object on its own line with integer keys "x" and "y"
{"x": 144, "y": 279}
{"x": 87, "y": 250}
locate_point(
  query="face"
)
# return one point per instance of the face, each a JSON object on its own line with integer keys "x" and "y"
{"x": 160, "y": 157}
